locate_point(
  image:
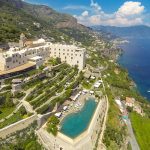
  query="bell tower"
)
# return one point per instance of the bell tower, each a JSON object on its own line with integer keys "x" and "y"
{"x": 22, "y": 40}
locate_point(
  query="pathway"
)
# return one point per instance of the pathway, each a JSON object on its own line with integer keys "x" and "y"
{"x": 26, "y": 104}
{"x": 132, "y": 138}
{"x": 100, "y": 143}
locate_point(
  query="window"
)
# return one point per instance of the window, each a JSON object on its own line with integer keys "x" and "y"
{"x": 71, "y": 57}
{"x": 7, "y": 66}
{"x": 77, "y": 62}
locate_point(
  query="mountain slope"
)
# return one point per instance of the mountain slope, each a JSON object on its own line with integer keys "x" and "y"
{"x": 17, "y": 16}
{"x": 128, "y": 32}
{"x": 46, "y": 14}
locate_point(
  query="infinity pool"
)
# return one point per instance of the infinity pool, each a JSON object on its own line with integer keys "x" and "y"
{"x": 76, "y": 123}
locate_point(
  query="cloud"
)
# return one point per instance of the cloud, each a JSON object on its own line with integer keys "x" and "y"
{"x": 85, "y": 14}
{"x": 76, "y": 7}
{"x": 95, "y": 6}
{"x": 130, "y": 8}
{"x": 130, "y": 13}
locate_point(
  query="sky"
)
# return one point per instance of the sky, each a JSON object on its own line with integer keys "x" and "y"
{"x": 103, "y": 12}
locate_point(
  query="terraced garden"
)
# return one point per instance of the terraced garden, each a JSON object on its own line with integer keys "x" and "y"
{"x": 46, "y": 91}
{"x": 20, "y": 114}
{"x": 37, "y": 81}
{"x": 62, "y": 97}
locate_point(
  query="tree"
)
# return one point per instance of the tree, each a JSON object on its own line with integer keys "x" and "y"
{"x": 113, "y": 146}
{"x": 33, "y": 145}
{"x": 58, "y": 60}
{"x": 22, "y": 111}
{"x": 129, "y": 109}
{"x": 8, "y": 100}
{"x": 53, "y": 120}
{"x": 52, "y": 123}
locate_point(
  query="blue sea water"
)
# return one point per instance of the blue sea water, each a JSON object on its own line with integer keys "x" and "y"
{"x": 76, "y": 123}
{"x": 136, "y": 59}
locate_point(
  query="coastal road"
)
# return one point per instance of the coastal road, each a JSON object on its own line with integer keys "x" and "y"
{"x": 132, "y": 138}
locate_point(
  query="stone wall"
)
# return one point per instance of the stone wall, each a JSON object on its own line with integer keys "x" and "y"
{"x": 6, "y": 131}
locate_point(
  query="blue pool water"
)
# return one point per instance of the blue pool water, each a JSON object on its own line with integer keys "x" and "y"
{"x": 75, "y": 123}
{"x": 136, "y": 59}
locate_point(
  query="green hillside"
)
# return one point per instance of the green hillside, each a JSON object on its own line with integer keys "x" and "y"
{"x": 35, "y": 21}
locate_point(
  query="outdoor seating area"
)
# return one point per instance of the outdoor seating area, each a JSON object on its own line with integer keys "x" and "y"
{"x": 75, "y": 103}
{"x": 97, "y": 84}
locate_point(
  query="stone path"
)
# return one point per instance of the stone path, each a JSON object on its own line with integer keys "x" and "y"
{"x": 26, "y": 104}
{"x": 132, "y": 138}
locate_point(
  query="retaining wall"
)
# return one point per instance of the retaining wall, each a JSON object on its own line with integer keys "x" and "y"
{"x": 22, "y": 124}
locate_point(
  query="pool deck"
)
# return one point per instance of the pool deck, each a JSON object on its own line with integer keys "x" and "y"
{"x": 72, "y": 109}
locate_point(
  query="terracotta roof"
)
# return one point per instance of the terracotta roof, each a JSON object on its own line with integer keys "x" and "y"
{"x": 130, "y": 100}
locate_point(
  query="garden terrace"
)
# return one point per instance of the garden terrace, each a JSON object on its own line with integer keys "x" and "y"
{"x": 61, "y": 98}
{"x": 50, "y": 90}
{"x": 38, "y": 81}
{"x": 19, "y": 115}
{"x": 5, "y": 111}
{"x": 6, "y": 104}
{"x": 42, "y": 87}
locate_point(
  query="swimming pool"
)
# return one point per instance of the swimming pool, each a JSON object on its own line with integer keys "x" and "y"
{"x": 76, "y": 123}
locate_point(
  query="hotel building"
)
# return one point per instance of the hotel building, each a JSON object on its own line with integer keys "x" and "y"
{"x": 37, "y": 52}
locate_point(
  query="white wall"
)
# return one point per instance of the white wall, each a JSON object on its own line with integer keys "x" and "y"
{"x": 67, "y": 53}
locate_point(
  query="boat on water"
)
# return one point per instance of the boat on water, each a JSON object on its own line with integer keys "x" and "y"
{"x": 148, "y": 91}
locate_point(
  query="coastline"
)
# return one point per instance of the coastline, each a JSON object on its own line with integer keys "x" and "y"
{"x": 135, "y": 86}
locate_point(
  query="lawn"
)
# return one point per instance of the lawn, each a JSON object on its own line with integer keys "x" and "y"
{"x": 19, "y": 115}
{"x": 6, "y": 111}
{"x": 141, "y": 127}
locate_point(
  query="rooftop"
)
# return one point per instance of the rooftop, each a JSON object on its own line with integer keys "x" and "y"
{"x": 19, "y": 68}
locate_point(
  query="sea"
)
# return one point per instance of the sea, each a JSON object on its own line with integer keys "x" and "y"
{"x": 136, "y": 59}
